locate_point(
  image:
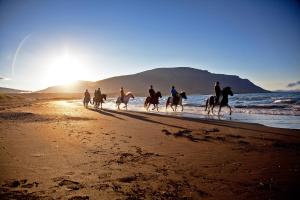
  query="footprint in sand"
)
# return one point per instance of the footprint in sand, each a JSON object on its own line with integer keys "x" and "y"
{"x": 70, "y": 185}
{"x": 19, "y": 183}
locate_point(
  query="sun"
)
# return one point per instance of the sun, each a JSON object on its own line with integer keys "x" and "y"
{"x": 65, "y": 68}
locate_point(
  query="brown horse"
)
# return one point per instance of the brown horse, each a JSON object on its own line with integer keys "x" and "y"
{"x": 86, "y": 101}
{"x": 171, "y": 102}
{"x": 210, "y": 102}
{"x": 154, "y": 100}
{"x": 99, "y": 100}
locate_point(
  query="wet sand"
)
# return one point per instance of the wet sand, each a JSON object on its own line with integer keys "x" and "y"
{"x": 60, "y": 150}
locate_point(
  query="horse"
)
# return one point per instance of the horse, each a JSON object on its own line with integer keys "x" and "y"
{"x": 170, "y": 102}
{"x": 153, "y": 101}
{"x": 125, "y": 100}
{"x": 210, "y": 102}
{"x": 99, "y": 100}
{"x": 86, "y": 101}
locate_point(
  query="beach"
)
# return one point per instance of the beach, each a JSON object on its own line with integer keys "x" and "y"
{"x": 57, "y": 149}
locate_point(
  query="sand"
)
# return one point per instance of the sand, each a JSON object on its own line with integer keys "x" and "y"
{"x": 59, "y": 150}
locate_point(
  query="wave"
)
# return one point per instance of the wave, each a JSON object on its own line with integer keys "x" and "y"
{"x": 194, "y": 104}
{"x": 271, "y": 106}
{"x": 286, "y": 101}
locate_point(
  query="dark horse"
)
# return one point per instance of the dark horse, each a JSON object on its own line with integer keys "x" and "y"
{"x": 153, "y": 101}
{"x": 210, "y": 102}
{"x": 86, "y": 101}
{"x": 171, "y": 102}
{"x": 99, "y": 100}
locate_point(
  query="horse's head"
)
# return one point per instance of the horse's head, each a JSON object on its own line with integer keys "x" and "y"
{"x": 183, "y": 95}
{"x": 129, "y": 94}
{"x": 104, "y": 96}
{"x": 158, "y": 94}
{"x": 227, "y": 90}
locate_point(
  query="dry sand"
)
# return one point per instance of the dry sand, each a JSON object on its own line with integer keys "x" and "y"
{"x": 60, "y": 150}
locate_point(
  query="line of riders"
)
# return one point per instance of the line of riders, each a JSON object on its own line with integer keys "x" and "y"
{"x": 220, "y": 98}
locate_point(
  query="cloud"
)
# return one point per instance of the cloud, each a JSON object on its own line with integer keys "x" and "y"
{"x": 293, "y": 84}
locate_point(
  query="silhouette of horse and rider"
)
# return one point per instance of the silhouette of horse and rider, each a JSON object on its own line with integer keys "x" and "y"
{"x": 98, "y": 99}
{"x": 176, "y": 99}
{"x": 152, "y": 99}
{"x": 212, "y": 101}
{"x": 220, "y": 99}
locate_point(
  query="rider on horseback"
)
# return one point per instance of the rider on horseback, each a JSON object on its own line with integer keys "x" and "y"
{"x": 174, "y": 95}
{"x": 122, "y": 94}
{"x": 217, "y": 92}
{"x": 95, "y": 94}
{"x": 98, "y": 94}
{"x": 151, "y": 93}
{"x": 87, "y": 94}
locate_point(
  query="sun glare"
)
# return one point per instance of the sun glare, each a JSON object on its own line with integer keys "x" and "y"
{"x": 65, "y": 68}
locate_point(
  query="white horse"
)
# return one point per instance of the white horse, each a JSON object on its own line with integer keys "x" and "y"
{"x": 125, "y": 100}
{"x": 170, "y": 102}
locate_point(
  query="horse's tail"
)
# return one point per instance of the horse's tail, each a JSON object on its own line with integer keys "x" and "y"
{"x": 146, "y": 102}
{"x": 207, "y": 101}
{"x": 167, "y": 102}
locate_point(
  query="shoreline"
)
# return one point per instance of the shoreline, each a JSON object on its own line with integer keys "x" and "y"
{"x": 229, "y": 123}
{"x": 270, "y": 120}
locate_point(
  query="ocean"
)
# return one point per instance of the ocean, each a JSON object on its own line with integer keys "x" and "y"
{"x": 271, "y": 109}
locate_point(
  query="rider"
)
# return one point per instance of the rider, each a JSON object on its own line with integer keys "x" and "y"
{"x": 95, "y": 94}
{"x": 99, "y": 93}
{"x": 87, "y": 95}
{"x": 122, "y": 94}
{"x": 217, "y": 91}
{"x": 174, "y": 94}
{"x": 151, "y": 92}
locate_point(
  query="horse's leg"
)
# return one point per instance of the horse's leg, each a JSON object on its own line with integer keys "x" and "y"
{"x": 157, "y": 107}
{"x": 181, "y": 107}
{"x": 172, "y": 107}
{"x": 153, "y": 107}
{"x": 229, "y": 109}
{"x": 219, "y": 110}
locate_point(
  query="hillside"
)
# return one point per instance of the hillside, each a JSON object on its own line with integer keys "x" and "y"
{"x": 10, "y": 90}
{"x": 193, "y": 81}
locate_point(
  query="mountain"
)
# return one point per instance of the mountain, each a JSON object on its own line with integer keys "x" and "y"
{"x": 193, "y": 81}
{"x": 75, "y": 87}
{"x": 10, "y": 90}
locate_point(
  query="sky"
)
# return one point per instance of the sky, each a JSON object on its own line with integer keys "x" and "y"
{"x": 45, "y": 43}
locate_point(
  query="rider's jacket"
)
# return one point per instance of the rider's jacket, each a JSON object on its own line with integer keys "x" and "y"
{"x": 151, "y": 92}
{"x": 174, "y": 92}
{"x": 87, "y": 94}
{"x": 217, "y": 90}
{"x": 122, "y": 93}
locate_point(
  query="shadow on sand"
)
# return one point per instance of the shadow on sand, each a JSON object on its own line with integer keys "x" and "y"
{"x": 133, "y": 115}
{"x": 105, "y": 112}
